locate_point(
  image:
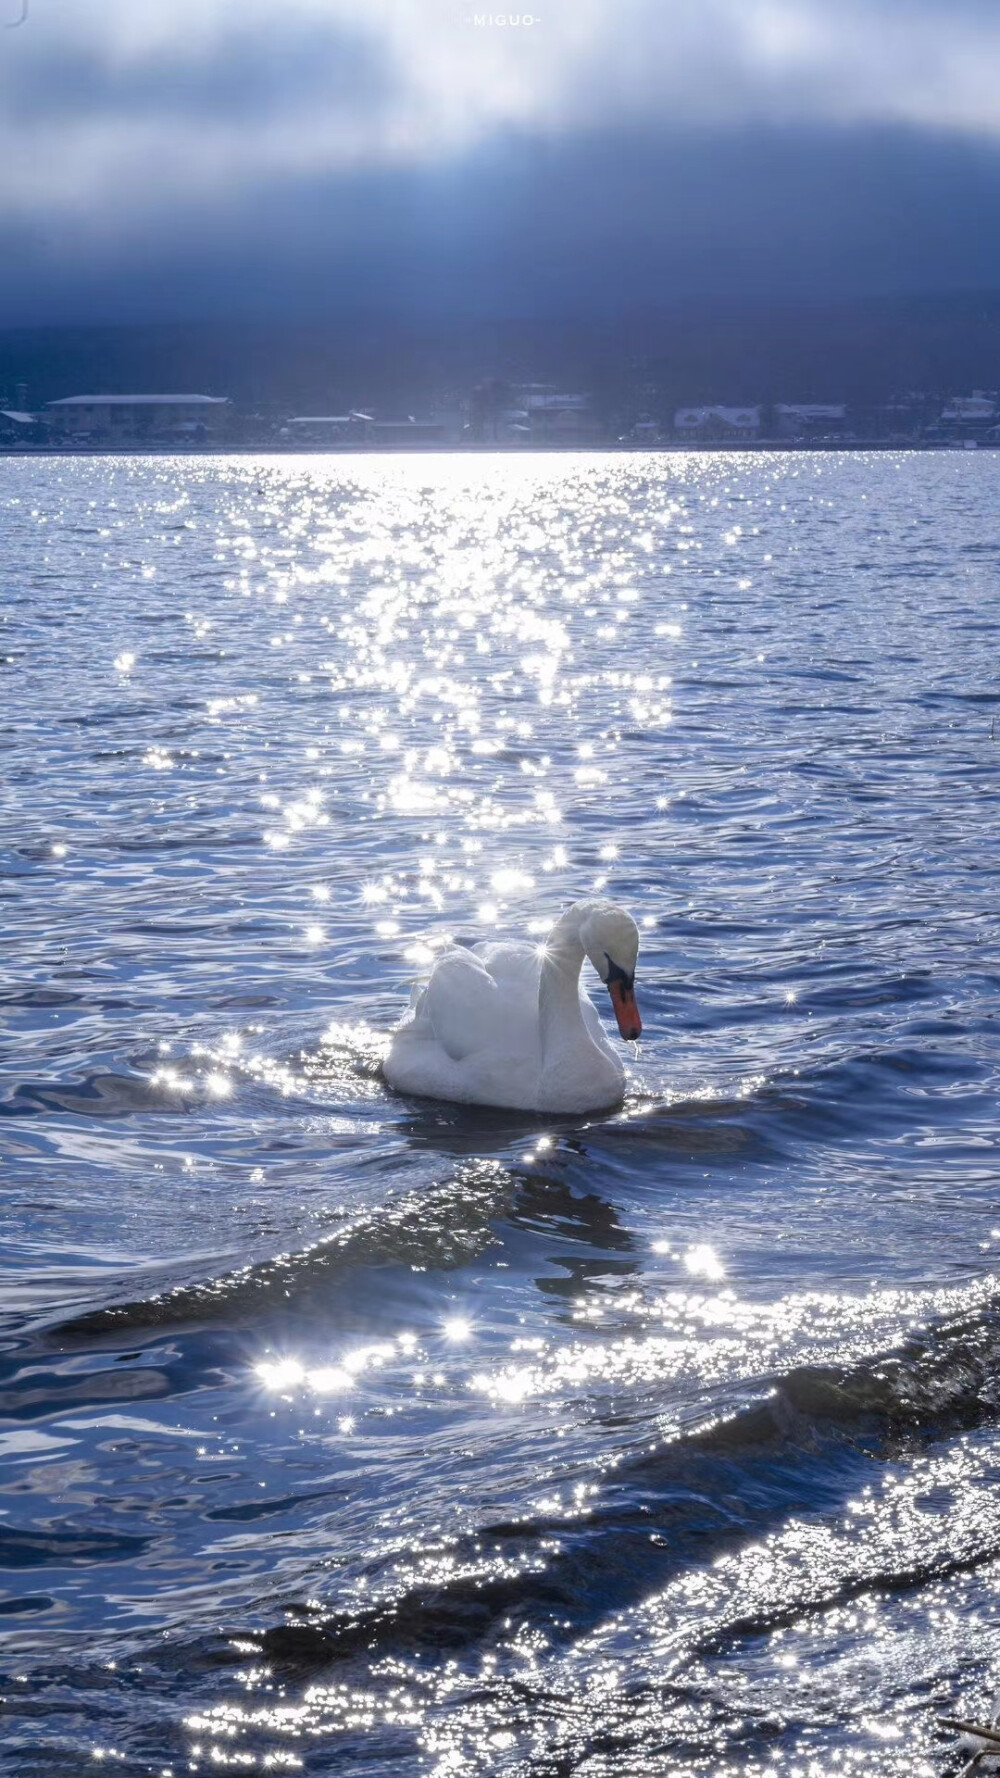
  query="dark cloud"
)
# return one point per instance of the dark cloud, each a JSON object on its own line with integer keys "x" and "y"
{"x": 595, "y": 224}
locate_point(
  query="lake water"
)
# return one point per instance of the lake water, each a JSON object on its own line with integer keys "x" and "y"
{"x": 341, "y": 1433}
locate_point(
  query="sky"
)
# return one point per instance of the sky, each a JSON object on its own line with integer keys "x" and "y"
{"x": 169, "y": 159}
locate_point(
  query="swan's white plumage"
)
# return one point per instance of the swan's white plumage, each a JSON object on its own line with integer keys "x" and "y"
{"x": 511, "y": 1025}
{"x": 461, "y": 1000}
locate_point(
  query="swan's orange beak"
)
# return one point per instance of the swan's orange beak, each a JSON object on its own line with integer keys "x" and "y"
{"x": 626, "y": 1011}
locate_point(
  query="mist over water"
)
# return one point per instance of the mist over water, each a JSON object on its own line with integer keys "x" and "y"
{"x": 344, "y": 1433}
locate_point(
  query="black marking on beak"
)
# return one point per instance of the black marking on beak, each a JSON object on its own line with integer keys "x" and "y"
{"x": 617, "y": 974}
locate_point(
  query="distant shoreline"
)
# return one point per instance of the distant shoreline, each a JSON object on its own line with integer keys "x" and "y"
{"x": 703, "y": 447}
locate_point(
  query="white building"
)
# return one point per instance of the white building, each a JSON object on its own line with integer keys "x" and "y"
{"x": 969, "y": 410}
{"x": 809, "y": 419}
{"x": 545, "y": 415}
{"x": 717, "y": 422}
{"x": 17, "y": 425}
{"x": 353, "y": 428}
{"x": 140, "y": 416}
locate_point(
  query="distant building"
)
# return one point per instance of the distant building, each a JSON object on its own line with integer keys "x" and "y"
{"x": 809, "y": 419}
{"x": 545, "y": 415}
{"x": 329, "y": 429}
{"x": 17, "y": 427}
{"x": 412, "y": 432}
{"x": 717, "y": 422}
{"x": 529, "y": 414}
{"x": 968, "y": 411}
{"x": 130, "y": 417}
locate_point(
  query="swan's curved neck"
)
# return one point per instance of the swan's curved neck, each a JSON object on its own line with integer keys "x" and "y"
{"x": 559, "y": 1017}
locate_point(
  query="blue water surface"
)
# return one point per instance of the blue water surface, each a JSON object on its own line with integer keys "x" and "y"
{"x": 342, "y": 1433}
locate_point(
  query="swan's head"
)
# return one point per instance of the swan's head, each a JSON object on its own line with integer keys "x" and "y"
{"x": 611, "y": 940}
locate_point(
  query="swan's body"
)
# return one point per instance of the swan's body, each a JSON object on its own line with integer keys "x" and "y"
{"x": 511, "y": 1025}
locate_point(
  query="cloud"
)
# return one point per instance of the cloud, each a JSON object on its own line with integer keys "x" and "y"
{"x": 133, "y": 100}
{"x": 609, "y": 148}
{"x": 604, "y": 223}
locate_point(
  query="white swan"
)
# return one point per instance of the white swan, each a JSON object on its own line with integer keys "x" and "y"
{"x": 510, "y": 1024}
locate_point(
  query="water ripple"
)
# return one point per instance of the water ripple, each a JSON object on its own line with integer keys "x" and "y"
{"x": 346, "y": 1432}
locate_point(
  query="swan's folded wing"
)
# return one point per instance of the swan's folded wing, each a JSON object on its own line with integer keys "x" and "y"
{"x": 461, "y": 1004}
{"x": 514, "y": 966}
